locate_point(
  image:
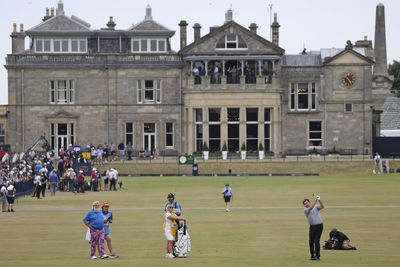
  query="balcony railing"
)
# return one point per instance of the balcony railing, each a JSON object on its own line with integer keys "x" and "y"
{"x": 47, "y": 59}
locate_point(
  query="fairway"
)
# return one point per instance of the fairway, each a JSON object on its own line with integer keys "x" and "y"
{"x": 266, "y": 225}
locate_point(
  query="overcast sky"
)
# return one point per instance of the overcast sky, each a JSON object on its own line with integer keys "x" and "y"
{"x": 314, "y": 24}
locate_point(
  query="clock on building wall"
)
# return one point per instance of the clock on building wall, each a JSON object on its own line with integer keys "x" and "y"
{"x": 348, "y": 79}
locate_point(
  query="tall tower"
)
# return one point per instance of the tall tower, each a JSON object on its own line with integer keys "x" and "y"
{"x": 275, "y": 31}
{"x": 380, "y": 67}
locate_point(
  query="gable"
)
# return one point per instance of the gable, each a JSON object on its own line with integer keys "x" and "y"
{"x": 150, "y": 27}
{"x": 60, "y": 23}
{"x": 210, "y": 43}
{"x": 348, "y": 57}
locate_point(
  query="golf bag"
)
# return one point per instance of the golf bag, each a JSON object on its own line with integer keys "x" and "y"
{"x": 183, "y": 243}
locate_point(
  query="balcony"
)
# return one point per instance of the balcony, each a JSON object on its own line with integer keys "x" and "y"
{"x": 91, "y": 60}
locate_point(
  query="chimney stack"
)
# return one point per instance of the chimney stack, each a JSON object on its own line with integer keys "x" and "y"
{"x": 275, "y": 30}
{"x": 17, "y": 39}
{"x": 183, "y": 24}
{"x": 47, "y": 15}
{"x": 196, "y": 28}
{"x": 111, "y": 24}
{"x": 52, "y": 12}
{"x": 380, "y": 42}
{"x": 253, "y": 28}
{"x": 228, "y": 16}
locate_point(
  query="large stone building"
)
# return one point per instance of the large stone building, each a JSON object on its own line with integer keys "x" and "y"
{"x": 78, "y": 85}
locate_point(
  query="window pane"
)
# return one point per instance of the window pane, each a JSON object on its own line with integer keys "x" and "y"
{"x": 153, "y": 45}
{"x": 233, "y": 131}
{"x": 169, "y": 140}
{"x": 303, "y": 101}
{"x": 199, "y": 131}
{"x": 129, "y": 127}
{"x": 267, "y": 131}
{"x": 74, "y": 45}
{"x": 46, "y": 45}
{"x": 57, "y": 45}
{"x": 82, "y": 45}
{"x": 233, "y": 114}
{"x": 199, "y": 114}
{"x": 267, "y": 114}
{"x": 233, "y": 145}
{"x": 143, "y": 44}
{"x": 214, "y": 131}
{"x": 252, "y": 114}
{"x": 169, "y": 127}
{"x": 214, "y": 114}
{"x": 252, "y": 130}
{"x": 315, "y": 135}
{"x": 161, "y": 45}
{"x": 149, "y": 95}
{"x": 135, "y": 45}
{"x": 64, "y": 44}
{"x": 148, "y": 84}
{"x": 315, "y": 126}
{"x": 39, "y": 45}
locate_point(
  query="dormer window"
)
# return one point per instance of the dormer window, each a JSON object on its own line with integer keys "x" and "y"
{"x": 231, "y": 41}
{"x": 148, "y": 45}
{"x": 60, "y": 45}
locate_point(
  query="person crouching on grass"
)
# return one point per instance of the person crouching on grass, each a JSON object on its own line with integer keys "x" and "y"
{"x": 311, "y": 211}
{"x": 108, "y": 218}
{"x": 94, "y": 220}
{"x": 170, "y": 229}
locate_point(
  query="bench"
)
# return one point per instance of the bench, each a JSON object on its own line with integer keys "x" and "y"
{"x": 169, "y": 153}
{"x": 296, "y": 152}
{"x": 348, "y": 151}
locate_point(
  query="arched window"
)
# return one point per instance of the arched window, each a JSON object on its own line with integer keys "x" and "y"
{"x": 231, "y": 41}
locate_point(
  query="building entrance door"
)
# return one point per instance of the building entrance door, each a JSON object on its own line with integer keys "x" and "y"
{"x": 149, "y": 137}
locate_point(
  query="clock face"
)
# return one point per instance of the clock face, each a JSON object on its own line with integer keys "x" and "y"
{"x": 348, "y": 79}
{"x": 182, "y": 159}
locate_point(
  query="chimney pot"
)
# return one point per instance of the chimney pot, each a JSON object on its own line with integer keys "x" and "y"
{"x": 14, "y": 27}
{"x": 183, "y": 24}
{"x": 21, "y": 27}
{"x": 253, "y": 28}
{"x": 196, "y": 28}
{"x": 52, "y": 12}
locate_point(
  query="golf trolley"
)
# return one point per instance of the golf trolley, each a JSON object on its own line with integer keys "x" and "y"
{"x": 183, "y": 243}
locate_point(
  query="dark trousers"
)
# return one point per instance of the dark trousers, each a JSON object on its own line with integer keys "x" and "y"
{"x": 43, "y": 189}
{"x": 314, "y": 238}
{"x": 113, "y": 183}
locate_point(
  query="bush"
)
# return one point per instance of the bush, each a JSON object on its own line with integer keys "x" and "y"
{"x": 243, "y": 147}
{"x": 224, "y": 147}
{"x": 260, "y": 147}
{"x": 205, "y": 146}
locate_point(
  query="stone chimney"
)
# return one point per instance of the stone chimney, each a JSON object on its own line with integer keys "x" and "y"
{"x": 183, "y": 25}
{"x": 228, "y": 16}
{"x": 47, "y": 16}
{"x": 111, "y": 24}
{"x": 17, "y": 39}
{"x": 253, "y": 28}
{"x": 214, "y": 28}
{"x": 196, "y": 28}
{"x": 380, "y": 42}
{"x": 148, "y": 13}
{"x": 60, "y": 8}
{"x": 275, "y": 30}
{"x": 52, "y": 12}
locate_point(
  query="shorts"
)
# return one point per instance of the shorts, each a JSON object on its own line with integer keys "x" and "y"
{"x": 106, "y": 230}
{"x": 10, "y": 200}
{"x": 169, "y": 235}
{"x": 227, "y": 198}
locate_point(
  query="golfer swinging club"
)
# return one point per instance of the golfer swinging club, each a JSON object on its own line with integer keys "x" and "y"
{"x": 311, "y": 211}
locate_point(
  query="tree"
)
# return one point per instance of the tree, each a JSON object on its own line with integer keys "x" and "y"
{"x": 394, "y": 69}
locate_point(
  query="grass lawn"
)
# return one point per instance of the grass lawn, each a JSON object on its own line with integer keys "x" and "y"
{"x": 266, "y": 226}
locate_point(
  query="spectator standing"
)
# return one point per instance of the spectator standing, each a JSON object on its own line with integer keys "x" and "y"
{"x": 94, "y": 181}
{"x": 171, "y": 201}
{"x": 95, "y": 222}
{"x": 53, "y": 177}
{"x": 121, "y": 148}
{"x": 37, "y": 181}
{"x": 227, "y": 195}
{"x": 108, "y": 218}
{"x": 11, "y": 197}
{"x": 3, "y": 194}
{"x": 113, "y": 176}
{"x": 311, "y": 211}
{"x": 81, "y": 182}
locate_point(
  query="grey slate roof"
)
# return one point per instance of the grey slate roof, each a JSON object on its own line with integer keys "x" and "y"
{"x": 60, "y": 23}
{"x": 149, "y": 26}
{"x": 390, "y": 117}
